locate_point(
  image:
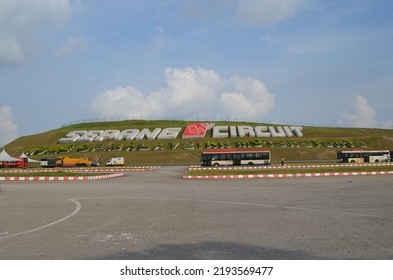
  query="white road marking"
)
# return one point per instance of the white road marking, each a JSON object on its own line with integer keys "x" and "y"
{"x": 276, "y": 206}
{"x": 76, "y": 211}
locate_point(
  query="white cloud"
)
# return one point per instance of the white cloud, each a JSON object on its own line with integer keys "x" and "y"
{"x": 22, "y": 24}
{"x": 8, "y": 128}
{"x": 360, "y": 114}
{"x": 248, "y": 100}
{"x": 262, "y": 12}
{"x": 10, "y": 51}
{"x": 70, "y": 46}
{"x": 189, "y": 94}
{"x": 159, "y": 41}
{"x": 119, "y": 102}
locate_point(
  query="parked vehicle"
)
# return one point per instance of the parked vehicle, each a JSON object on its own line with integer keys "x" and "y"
{"x": 23, "y": 163}
{"x": 65, "y": 162}
{"x": 117, "y": 161}
{"x": 362, "y": 156}
{"x": 231, "y": 157}
{"x": 48, "y": 162}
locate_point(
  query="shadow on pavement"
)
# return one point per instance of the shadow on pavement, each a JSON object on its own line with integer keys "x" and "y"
{"x": 209, "y": 251}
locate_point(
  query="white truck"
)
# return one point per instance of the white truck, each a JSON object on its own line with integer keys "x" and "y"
{"x": 117, "y": 161}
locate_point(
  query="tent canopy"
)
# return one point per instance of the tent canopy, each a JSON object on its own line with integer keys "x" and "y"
{"x": 4, "y": 156}
{"x": 28, "y": 159}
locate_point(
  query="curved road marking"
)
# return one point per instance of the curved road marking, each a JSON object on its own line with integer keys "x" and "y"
{"x": 77, "y": 209}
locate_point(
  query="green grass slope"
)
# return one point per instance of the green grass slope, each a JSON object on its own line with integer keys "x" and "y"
{"x": 47, "y": 142}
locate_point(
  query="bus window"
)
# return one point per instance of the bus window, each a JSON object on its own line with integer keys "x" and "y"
{"x": 250, "y": 156}
{"x": 236, "y": 158}
{"x": 206, "y": 157}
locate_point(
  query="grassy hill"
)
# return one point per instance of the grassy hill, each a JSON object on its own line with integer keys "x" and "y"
{"x": 316, "y": 143}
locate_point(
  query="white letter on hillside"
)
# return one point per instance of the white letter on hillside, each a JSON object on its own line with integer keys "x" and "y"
{"x": 107, "y": 134}
{"x": 169, "y": 133}
{"x": 72, "y": 136}
{"x": 149, "y": 135}
{"x": 276, "y": 133}
{"x": 259, "y": 131}
{"x": 220, "y": 132}
{"x": 245, "y": 130}
{"x": 297, "y": 130}
{"x": 128, "y": 134}
{"x": 233, "y": 131}
{"x": 287, "y": 131}
{"x": 89, "y": 136}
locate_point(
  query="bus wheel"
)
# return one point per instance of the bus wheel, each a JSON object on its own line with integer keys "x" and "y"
{"x": 216, "y": 164}
{"x": 377, "y": 160}
{"x": 352, "y": 161}
{"x": 250, "y": 164}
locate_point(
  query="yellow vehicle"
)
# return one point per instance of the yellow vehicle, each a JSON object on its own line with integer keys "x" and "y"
{"x": 71, "y": 162}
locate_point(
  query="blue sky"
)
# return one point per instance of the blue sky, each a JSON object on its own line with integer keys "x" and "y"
{"x": 301, "y": 62}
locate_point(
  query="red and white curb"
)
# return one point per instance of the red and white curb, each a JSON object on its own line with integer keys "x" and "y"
{"x": 196, "y": 167}
{"x": 62, "y": 178}
{"x": 296, "y": 175}
{"x": 109, "y": 169}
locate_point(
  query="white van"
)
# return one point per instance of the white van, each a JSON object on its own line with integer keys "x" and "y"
{"x": 117, "y": 161}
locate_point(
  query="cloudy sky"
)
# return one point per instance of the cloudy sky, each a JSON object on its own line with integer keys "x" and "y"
{"x": 303, "y": 62}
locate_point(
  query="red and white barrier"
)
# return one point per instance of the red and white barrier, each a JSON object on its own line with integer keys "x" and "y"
{"x": 61, "y": 178}
{"x": 288, "y": 166}
{"x": 77, "y": 169}
{"x": 295, "y": 175}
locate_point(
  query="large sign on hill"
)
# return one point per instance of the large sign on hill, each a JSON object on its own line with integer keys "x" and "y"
{"x": 192, "y": 137}
{"x": 192, "y": 130}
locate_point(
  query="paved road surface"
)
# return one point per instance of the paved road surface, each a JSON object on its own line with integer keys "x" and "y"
{"x": 158, "y": 215}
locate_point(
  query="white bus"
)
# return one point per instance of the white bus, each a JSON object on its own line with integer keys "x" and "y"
{"x": 363, "y": 156}
{"x": 235, "y": 157}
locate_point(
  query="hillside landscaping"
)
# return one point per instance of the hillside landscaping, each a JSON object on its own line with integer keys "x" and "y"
{"x": 317, "y": 143}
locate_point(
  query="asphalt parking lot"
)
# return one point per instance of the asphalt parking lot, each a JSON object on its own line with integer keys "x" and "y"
{"x": 158, "y": 215}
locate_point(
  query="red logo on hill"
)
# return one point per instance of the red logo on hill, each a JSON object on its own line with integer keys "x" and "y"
{"x": 197, "y": 130}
